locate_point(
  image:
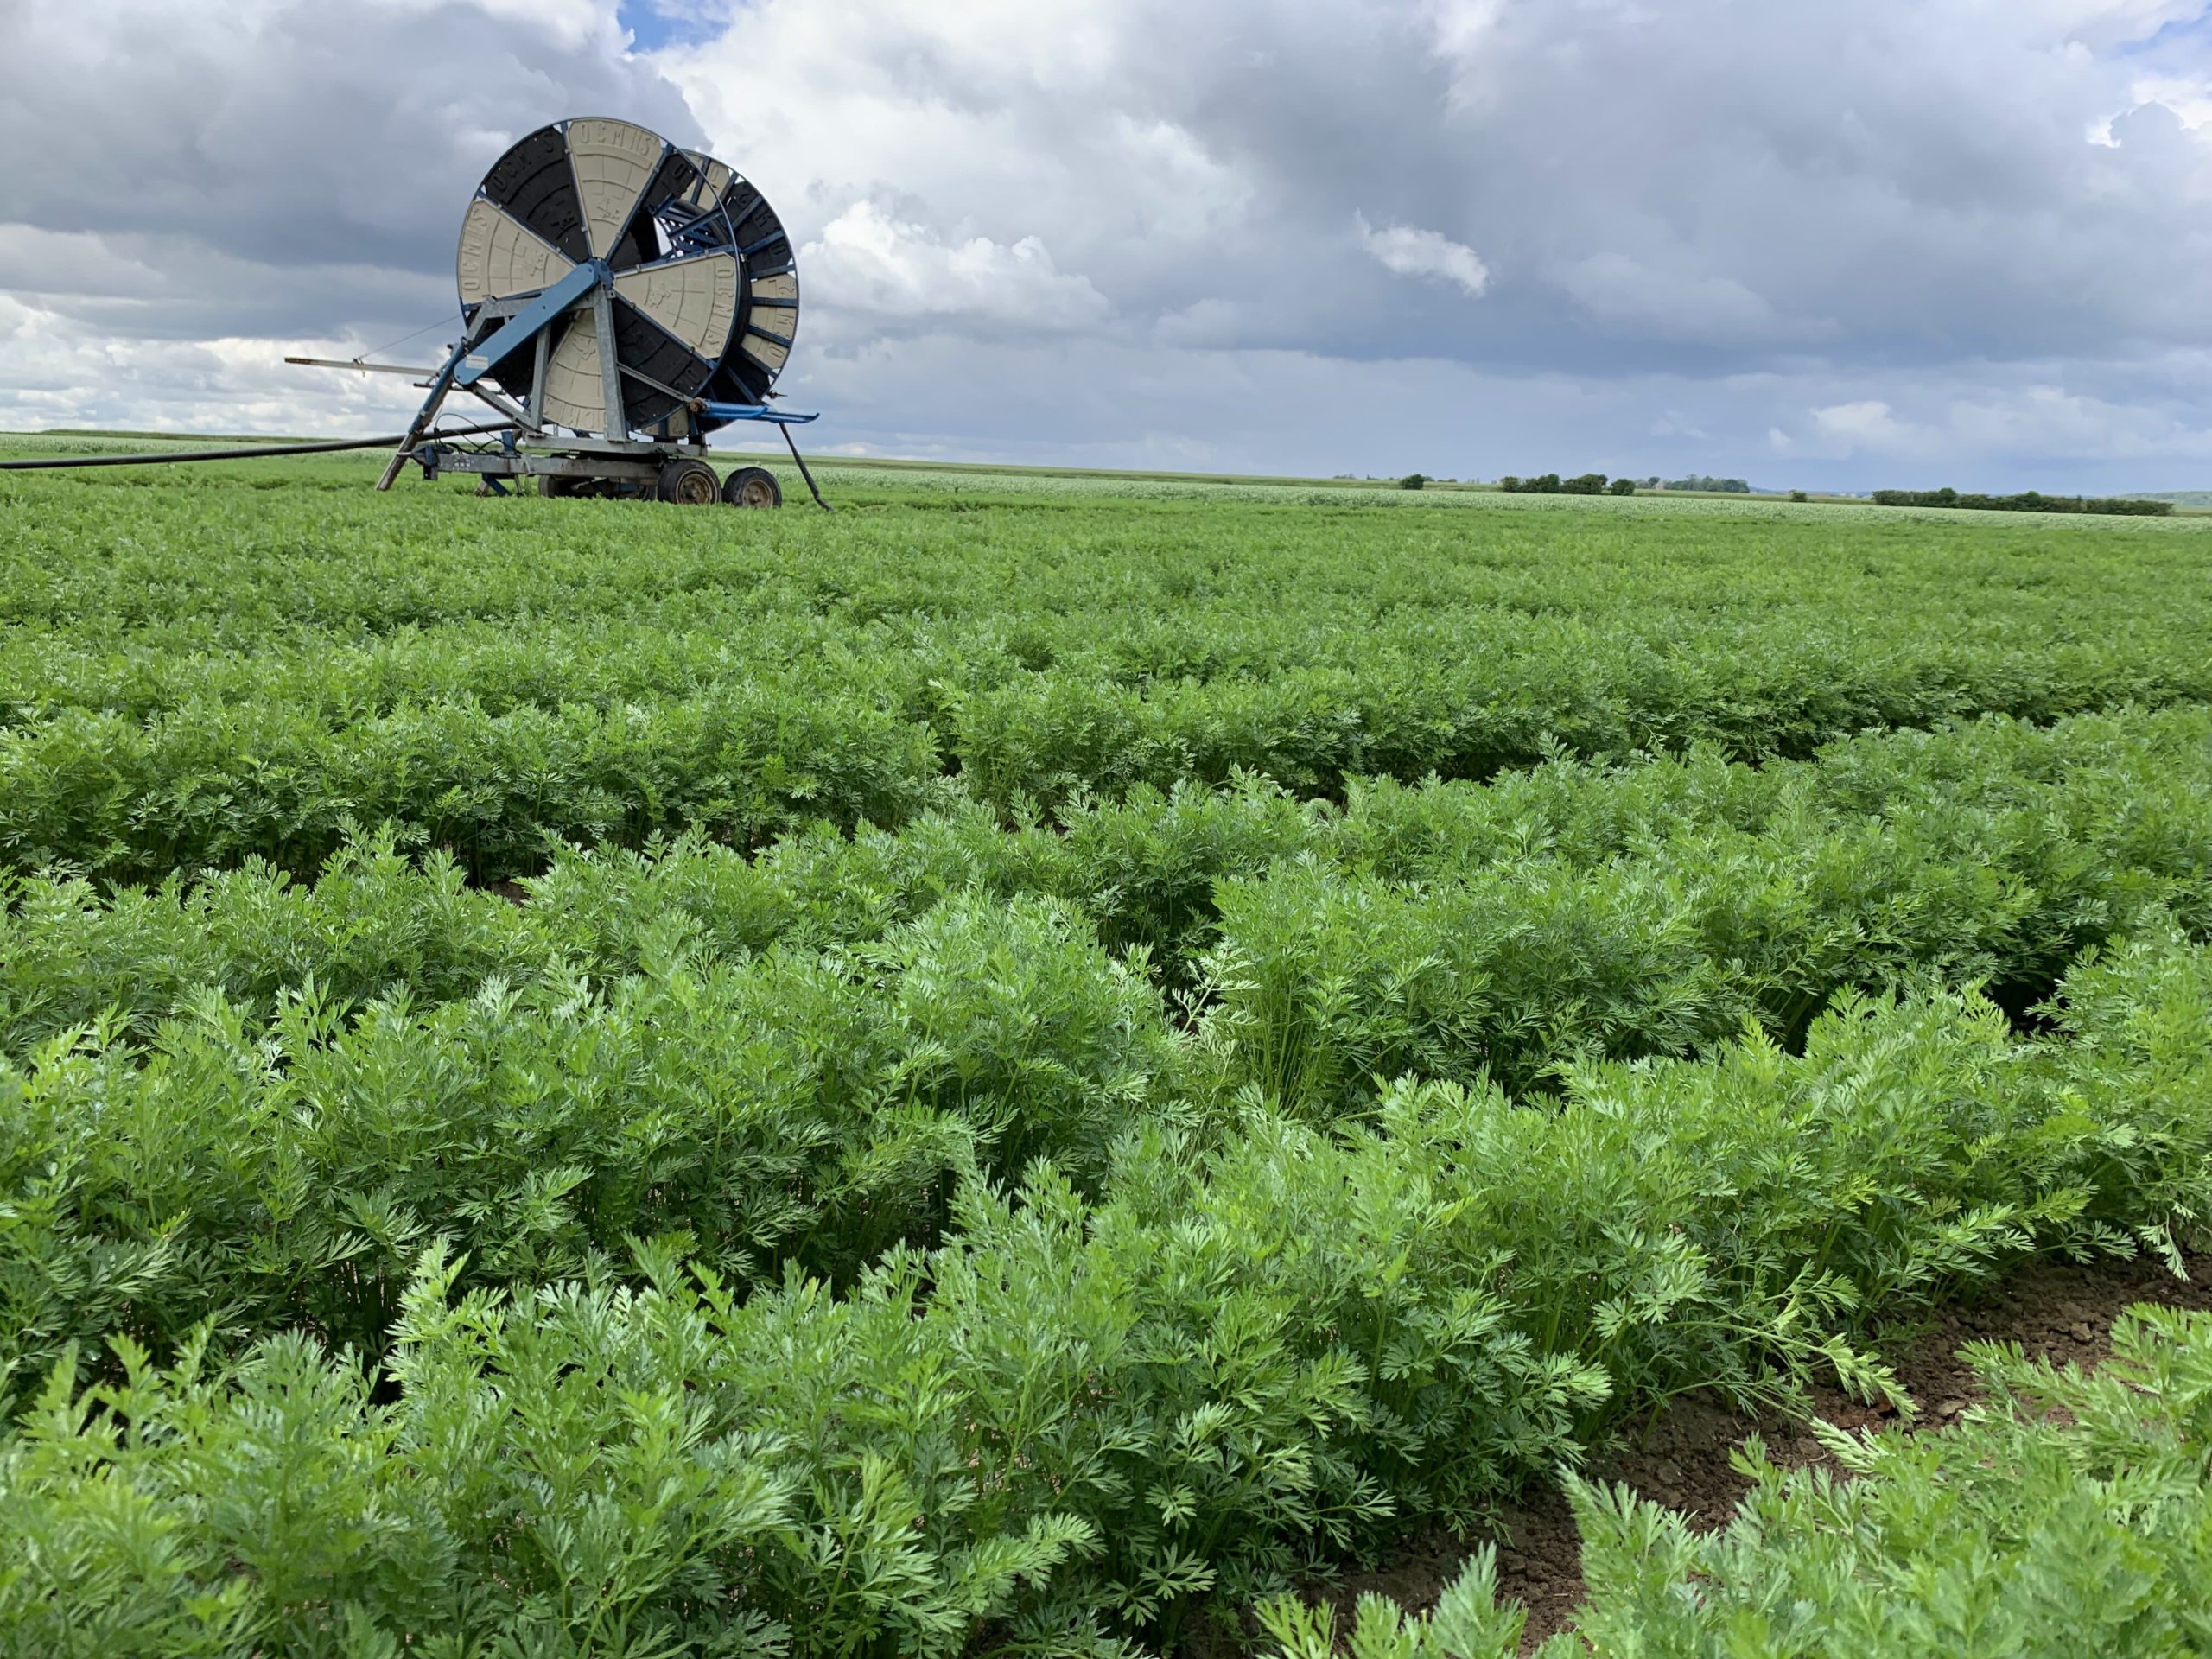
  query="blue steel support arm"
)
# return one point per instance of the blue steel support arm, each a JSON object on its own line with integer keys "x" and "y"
{"x": 527, "y": 322}
{"x": 754, "y": 412}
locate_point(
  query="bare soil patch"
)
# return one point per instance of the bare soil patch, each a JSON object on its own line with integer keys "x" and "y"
{"x": 2057, "y": 1311}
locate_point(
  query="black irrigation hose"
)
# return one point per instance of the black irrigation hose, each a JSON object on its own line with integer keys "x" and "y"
{"x": 254, "y": 452}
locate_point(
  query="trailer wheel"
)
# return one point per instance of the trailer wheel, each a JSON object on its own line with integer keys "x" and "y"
{"x": 753, "y": 486}
{"x": 556, "y": 484}
{"x": 691, "y": 483}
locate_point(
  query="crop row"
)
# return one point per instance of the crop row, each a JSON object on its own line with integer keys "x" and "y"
{"x": 784, "y": 1110}
{"x": 795, "y": 1062}
{"x": 182, "y": 690}
{"x": 257, "y": 572}
{"x": 2015, "y": 638}
{"x": 214, "y": 784}
{"x": 1074, "y": 1419}
{"x": 1993, "y": 851}
{"x": 2067, "y": 1516}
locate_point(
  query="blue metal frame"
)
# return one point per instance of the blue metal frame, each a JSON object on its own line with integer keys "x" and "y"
{"x": 754, "y": 412}
{"x": 697, "y": 230}
{"x": 526, "y": 322}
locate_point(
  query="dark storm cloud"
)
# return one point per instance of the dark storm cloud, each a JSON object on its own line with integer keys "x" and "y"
{"x": 314, "y": 139}
{"x": 1729, "y": 219}
{"x": 1702, "y": 183}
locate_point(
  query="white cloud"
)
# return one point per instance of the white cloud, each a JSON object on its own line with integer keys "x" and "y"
{"x": 2106, "y": 23}
{"x": 1675, "y": 304}
{"x": 2035, "y": 421}
{"x": 59, "y": 373}
{"x": 573, "y": 22}
{"x": 2049, "y": 421}
{"x": 2189, "y": 96}
{"x": 1212, "y": 323}
{"x": 1675, "y": 424}
{"x": 867, "y": 261}
{"x": 1409, "y": 251}
{"x": 1869, "y": 424}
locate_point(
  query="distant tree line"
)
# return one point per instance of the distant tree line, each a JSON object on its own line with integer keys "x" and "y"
{"x": 1553, "y": 483}
{"x": 1721, "y": 486}
{"x": 2031, "y": 501}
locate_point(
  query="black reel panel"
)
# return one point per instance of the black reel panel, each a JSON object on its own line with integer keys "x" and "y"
{"x": 533, "y": 183}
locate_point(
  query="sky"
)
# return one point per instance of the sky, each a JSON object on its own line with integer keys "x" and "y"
{"x": 1817, "y": 243}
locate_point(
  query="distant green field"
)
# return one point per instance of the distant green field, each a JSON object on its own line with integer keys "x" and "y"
{"x": 1020, "y": 1065}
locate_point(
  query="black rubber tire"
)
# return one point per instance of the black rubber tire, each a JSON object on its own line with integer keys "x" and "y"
{"x": 557, "y": 484}
{"x": 689, "y": 483}
{"x": 753, "y": 486}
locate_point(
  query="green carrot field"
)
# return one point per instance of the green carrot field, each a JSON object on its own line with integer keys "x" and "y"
{"x": 1029, "y": 1066}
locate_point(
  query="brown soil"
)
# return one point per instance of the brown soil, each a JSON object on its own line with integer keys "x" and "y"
{"x": 2057, "y": 1311}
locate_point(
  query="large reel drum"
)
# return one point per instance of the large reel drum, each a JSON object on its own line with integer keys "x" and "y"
{"x": 701, "y": 299}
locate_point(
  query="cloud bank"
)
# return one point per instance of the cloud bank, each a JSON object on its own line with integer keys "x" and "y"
{"x": 1841, "y": 243}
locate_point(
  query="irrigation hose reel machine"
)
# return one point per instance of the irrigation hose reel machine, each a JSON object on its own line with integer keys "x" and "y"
{"x": 621, "y": 298}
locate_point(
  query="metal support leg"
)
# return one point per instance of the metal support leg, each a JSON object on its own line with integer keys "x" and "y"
{"x": 802, "y": 473}
{"x": 439, "y": 387}
{"x": 544, "y": 352}
{"x": 610, "y": 374}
